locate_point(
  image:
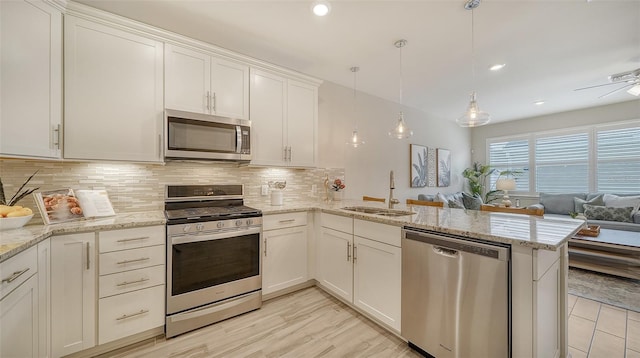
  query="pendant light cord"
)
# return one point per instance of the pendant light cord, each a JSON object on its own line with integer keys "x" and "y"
{"x": 355, "y": 69}
{"x": 473, "y": 56}
{"x": 401, "y": 74}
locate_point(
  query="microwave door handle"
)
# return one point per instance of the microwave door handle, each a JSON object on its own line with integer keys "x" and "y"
{"x": 238, "y": 139}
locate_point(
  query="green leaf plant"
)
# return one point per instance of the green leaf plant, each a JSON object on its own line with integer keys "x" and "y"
{"x": 19, "y": 195}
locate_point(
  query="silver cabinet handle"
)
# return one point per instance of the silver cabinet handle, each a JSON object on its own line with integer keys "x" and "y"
{"x": 286, "y": 221}
{"x": 285, "y": 154}
{"x": 125, "y": 316}
{"x": 213, "y": 106}
{"x": 355, "y": 253}
{"x": 56, "y": 136}
{"x": 348, "y": 251}
{"x": 208, "y": 101}
{"x": 14, "y": 276}
{"x": 88, "y": 256}
{"x": 132, "y": 282}
{"x": 134, "y": 239}
{"x": 265, "y": 247}
{"x": 289, "y": 153}
{"x": 130, "y": 261}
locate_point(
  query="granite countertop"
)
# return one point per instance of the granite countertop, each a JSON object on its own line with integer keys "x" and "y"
{"x": 15, "y": 241}
{"x": 529, "y": 231}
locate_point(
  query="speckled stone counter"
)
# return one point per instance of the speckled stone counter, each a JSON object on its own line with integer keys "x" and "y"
{"x": 15, "y": 241}
{"x": 530, "y": 231}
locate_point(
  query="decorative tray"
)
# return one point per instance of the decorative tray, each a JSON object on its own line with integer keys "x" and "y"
{"x": 591, "y": 230}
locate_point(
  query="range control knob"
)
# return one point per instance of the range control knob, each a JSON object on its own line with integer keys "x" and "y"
{"x": 199, "y": 227}
{"x": 238, "y": 222}
{"x": 186, "y": 228}
{"x": 249, "y": 221}
{"x": 220, "y": 224}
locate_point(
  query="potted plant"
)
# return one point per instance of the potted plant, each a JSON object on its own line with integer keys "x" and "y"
{"x": 477, "y": 176}
{"x": 336, "y": 189}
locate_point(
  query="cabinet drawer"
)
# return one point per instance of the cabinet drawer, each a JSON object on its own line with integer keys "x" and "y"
{"x": 128, "y": 281}
{"x": 131, "y": 238}
{"x": 280, "y": 221}
{"x": 387, "y": 234}
{"x": 337, "y": 222}
{"x": 130, "y": 313}
{"x": 128, "y": 260}
{"x": 17, "y": 270}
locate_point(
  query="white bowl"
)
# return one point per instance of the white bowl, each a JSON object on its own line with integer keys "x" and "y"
{"x": 14, "y": 223}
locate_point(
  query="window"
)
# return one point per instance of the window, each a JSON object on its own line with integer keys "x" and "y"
{"x": 562, "y": 163}
{"x": 600, "y": 158}
{"x": 618, "y": 160}
{"x": 510, "y": 155}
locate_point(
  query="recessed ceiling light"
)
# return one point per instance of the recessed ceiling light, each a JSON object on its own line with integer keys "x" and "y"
{"x": 321, "y": 7}
{"x": 538, "y": 103}
{"x": 497, "y": 67}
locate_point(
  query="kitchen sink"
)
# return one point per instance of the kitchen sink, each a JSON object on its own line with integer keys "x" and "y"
{"x": 378, "y": 211}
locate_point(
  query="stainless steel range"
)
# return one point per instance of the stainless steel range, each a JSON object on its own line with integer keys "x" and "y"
{"x": 213, "y": 256}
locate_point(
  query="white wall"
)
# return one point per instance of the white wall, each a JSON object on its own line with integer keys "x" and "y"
{"x": 367, "y": 167}
{"x": 595, "y": 115}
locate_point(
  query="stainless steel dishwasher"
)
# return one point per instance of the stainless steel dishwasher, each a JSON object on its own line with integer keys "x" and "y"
{"x": 456, "y": 295}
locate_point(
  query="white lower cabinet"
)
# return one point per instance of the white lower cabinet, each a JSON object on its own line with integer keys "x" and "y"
{"x": 19, "y": 304}
{"x": 363, "y": 266}
{"x": 73, "y": 293}
{"x": 547, "y": 306}
{"x": 284, "y": 251}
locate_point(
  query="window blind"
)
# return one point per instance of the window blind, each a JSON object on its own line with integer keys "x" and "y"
{"x": 618, "y": 160}
{"x": 510, "y": 155}
{"x": 562, "y": 163}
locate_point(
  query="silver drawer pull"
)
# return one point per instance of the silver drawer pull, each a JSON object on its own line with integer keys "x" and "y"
{"x": 14, "y": 276}
{"x": 125, "y": 316}
{"x": 132, "y": 282}
{"x": 130, "y": 261}
{"x": 286, "y": 221}
{"x": 134, "y": 239}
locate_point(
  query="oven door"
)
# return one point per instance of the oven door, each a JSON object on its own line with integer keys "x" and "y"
{"x": 208, "y": 267}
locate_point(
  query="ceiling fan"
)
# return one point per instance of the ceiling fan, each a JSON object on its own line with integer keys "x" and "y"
{"x": 629, "y": 80}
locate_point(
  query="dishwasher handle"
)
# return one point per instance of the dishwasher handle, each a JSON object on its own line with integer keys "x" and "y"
{"x": 454, "y": 254}
{"x": 450, "y": 244}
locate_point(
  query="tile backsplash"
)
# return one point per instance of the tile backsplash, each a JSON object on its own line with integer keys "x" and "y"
{"x": 140, "y": 187}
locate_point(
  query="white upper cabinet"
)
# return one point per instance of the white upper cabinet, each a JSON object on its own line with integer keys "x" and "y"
{"x": 284, "y": 116}
{"x": 201, "y": 83}
{"x": 113, "y": 93}
{"x": 30, "y": 79}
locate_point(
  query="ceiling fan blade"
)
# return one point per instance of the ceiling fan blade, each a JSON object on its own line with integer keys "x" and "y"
{"x": 615, "y": 90}
{"x": 604, "y": 84}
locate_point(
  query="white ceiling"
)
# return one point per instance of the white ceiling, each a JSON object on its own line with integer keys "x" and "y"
{"x": 550, "y": 47}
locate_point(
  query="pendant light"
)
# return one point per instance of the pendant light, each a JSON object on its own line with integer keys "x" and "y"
{"x": 473, "y": 116}
{"x": 400, "y": 131}
{"x": 355, "y": 140}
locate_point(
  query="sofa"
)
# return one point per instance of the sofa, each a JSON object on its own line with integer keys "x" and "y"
{"x": 609, "y": 211}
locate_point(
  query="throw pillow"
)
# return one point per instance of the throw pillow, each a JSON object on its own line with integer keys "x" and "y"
{"x": 578, "y": 203}
{"x": 455, "y": 205}
{"x": 426, "y": 197}
{"x": 471, "y": 202}
{"x": 608, "y": 213}
{"x": 616, "y": 201}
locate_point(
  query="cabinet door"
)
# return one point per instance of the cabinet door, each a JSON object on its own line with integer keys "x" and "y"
{"x": 113, "y": 93}
{"x": 334, "y": 265}
{"x": 188, "y": 80}
{"x": 230, "y": 89}
{"x": 19, "y": 321}
{"x": 73, "y": 293}
{"x": 284, "y": 261}
{"x": 268, "y": 110}
{"x": 44, "y": 298}
{"x": 547, "y": 312}
{"x": 30, "y": 79}
{"x": 377, "y": 276}
{"x": 302, "y": 113}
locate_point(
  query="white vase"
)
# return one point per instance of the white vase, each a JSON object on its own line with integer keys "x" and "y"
{"x": 336, "y": 195}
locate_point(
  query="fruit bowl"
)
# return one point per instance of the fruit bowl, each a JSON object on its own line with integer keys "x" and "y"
{"x": 14, "y": 223}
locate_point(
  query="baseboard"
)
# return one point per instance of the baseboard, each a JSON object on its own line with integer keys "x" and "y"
{"x": 139, "y": 339}
{"x": 288, "y": 290}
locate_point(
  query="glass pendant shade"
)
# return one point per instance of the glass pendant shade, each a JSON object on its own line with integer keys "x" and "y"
{"x": 401, "y": 131}
{"x": 355, "y": 140}
{"x": 473, "y": 117}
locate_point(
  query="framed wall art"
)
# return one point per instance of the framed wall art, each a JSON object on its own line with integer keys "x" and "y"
{"x": 443, "y": 171}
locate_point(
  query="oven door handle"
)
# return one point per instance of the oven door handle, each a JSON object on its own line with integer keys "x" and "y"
{"x": 184, "y": 239}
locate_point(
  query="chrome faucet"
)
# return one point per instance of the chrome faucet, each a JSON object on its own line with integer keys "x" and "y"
{"x": 392, "y": 185}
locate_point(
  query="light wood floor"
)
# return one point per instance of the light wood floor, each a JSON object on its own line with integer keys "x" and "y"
{"x": 307, "y": 323}
{"x": 310, "y": 323}
{"x": 600, "y": 330}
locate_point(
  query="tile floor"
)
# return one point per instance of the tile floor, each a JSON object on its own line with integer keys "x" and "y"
{"x": 600, "y": 330}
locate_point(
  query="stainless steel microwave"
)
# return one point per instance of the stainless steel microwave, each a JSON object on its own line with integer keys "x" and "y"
{"x": 199, "y": 136}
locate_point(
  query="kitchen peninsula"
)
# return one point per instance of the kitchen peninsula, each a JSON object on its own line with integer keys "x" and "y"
{"x": 538, "y": 254}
